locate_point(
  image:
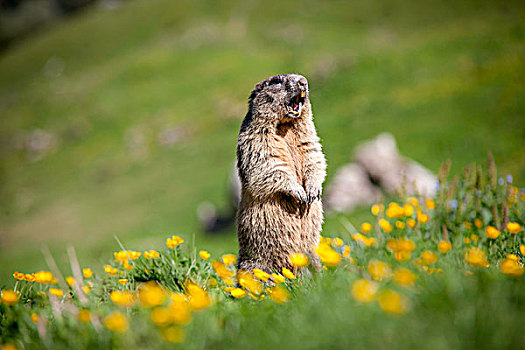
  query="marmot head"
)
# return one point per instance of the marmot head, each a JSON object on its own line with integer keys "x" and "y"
{"x": 284, "y": 96}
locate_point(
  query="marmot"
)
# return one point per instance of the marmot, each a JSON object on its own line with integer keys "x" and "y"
{"x": 282, "y": 168}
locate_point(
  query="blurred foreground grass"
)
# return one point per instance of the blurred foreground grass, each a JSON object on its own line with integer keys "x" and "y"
{"x": 143, "y": 105}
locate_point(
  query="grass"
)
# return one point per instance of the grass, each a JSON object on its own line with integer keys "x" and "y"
{"x": 425, "y": 273}
{"x": 445, "y": 78}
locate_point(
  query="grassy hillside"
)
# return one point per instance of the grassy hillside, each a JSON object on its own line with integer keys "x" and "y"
{"x": 446, "y": 78}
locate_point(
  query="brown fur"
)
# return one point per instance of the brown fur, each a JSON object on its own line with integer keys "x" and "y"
{"x": 282, "y": 169}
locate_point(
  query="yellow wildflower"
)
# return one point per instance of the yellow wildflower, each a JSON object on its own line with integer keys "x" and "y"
{"x": 492, "y": 232}
{"x": 278, "y": 278}
{"x": 514, "y": 227}
{"x": 44, "y": 277}
{"x": 385, "y": 225}
{"x": 408, "y": 210}
{"x": 8, "y": 346}
{"x": 368, "y": 241}
{"x": 338, "y": 242}
{"x": 71, "y": 281}
{"x": 411, "y": 223}
{"x": 466, "y": 240}
{"x": 467, "y": 225}
{"x": 238, "y": 293}
{"x": 124, "y": 299}
{"x": 429, "y": 257}
{"x": 247, "y": 280}
{"x": 422, "y": 217}
{"x": 18, "y": 276}
{"x": 29, "y": 277}
{"x": 199, "y": 298}
{"x": 379, "y": 270}
{"x": 59, "y": 293}
{"x": 288, "y": 274}
{"x": 123, "y": 281}
{"x": 476, "y": 257}
{"x": 364, "y": 290}
{"x": 127, "y": 265}
{"x": 151, "y": 254}
{"x": 161, "y": 316}
{"x": 204, "y": 254}
{"x": 511, "y": 267}
{"x": 174, "y": 241}
{"x": 111, "y": 270}
{"x": 151, "y": 294}
{"x": 430, "y": 204}
{"x": 392, "y": 302}
{"x": 173, "y": 334}
{"x": 402, "y": 255}
{"x": 366, "y": 227}
{"x": 221, "y": 270}
{"x": 84, "y": 315}
{"x": 327, "y": 255}
{"x": 522, "y": 249}
{"x": 394, "y": 210}
{"x": 375, "y": 209}
{"x": 474, "y": 237}
{"x": 229, "y": 259}
{"x": 513, "y": 257}
{"x": 10, "y": 297}
{"x": 346, "y": 251}
{"x": 116, "y": 321}
{"x": 125, "y": 255}
{"x": 400, "y": 225}
{"x": 87, "y": 272}
{"x": 404, "y": 276}
{"x": 444, "y": 246}
{"x": 413, "y": 201}
{"x": 298, "y": 260}
{"x": 478, "y": 223}
{"x": 34, "y": 317}
{"x": 180, "y": 309}
{"x": 260, "y": 274}
{"x": 279, "y": 294}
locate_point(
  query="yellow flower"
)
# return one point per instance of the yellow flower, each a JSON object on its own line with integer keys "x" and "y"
{"x": 87, "y": 272}
{"x": 86, "y": 289}
{"x": 247, "y": 280}
{"x": 346, "y": 251}
{"x": 151, "y": 294}
{"x": 338, "y": 242}
{"x": 174, "y": 241}
{"x": 401, "y": 245}
{"x": 467, "y": 225}
{"x": 327, "y": 255}
{"x": 124, "y": 299}
{"x": 204, "y": 255}
{"x": 394, "y": 210}
{"x": 366, "y": 227}
{"x": 478, "y": 223}
{"x": 408, "y": 210}
{"x": 10, "y": 297}
{"x": 476, "y": 257}
{"x": 288, "y": 274}
{"x": 151, "y": 254}
{"x": 238, "y": 293}
{"x": 513, "y": 257}
{"x": 278, "y": 278}
{"x": 260, "y": 274}
{"x": 279, "y": 294}
{"x": 116, "y": 321}
{"x": 402, "y": 255}
{"x": 368, "y": 241}
{"x": 84, "y": 315}
{"x": 514, "y": 227}
{"x": 298, "y": 260}
{"x": 229, "y": 259}
{"x": 375, "y": 209}
{"x": 385, "y": 225}
{"x": 44, "y": 277}
{"x": 474, "y": 238}
{"x": 19, "y": 276}
{"x": 161, "y": 316}
{"x": 429, "y": 257}
{"x": 125, "y": 255}
{"x": 430, "y": 204}
{"x": 421, "y": 217}
{"x": 123, "y": 281}
{"x": 179, "y": 309}
{"x": 400, "y": 225}
{"x": 404, "y": 277}
{"x": 199, "y": 298}
{"x": 364, "y": 290}
{"x": 492, "y": 232}
{"x": 34, "y": 317}
{"x": 59, "y": 293}
{"x": 29, "y": 277}
{"x": 511, "y": 267}
{"x": 392, "y": 302}
{"x": 413, "y": 201}
{"x": 411, "y": 223}
{"x": 444, "y": 246}
{"x": 173, "y": 334}
{"x": 221, "y": 270}
{"x": 111, "y": 270}
{"x": 9, "y": 347}
{"x": 466, "y": 240}
{"x": 71, "y": 281}
{"x": 522, "y": 249}
{"x": 379, "y": 270}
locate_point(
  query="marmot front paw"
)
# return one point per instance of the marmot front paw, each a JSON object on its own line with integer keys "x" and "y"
{"x": 313, "y": 192}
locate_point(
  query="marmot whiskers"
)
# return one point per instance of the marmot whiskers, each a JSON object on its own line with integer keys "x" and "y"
{"x": 282, "y": 169}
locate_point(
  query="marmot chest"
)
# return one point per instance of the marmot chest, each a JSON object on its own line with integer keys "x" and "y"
{"x": 290, "y": 149}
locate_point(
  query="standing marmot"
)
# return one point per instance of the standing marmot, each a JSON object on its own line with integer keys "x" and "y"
{"x": 282, "y": 169}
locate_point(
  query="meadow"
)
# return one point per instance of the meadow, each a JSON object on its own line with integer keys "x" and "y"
{"x": 424, "y": 273}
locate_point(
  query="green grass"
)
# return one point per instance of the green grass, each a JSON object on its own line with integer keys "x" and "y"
{"x": 446, "y": 78}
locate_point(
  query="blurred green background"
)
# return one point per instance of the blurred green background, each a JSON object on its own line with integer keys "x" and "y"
{"x": 121, "y": 121}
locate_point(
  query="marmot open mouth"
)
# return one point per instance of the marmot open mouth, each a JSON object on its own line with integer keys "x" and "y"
{"x": 296, "y": 103}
